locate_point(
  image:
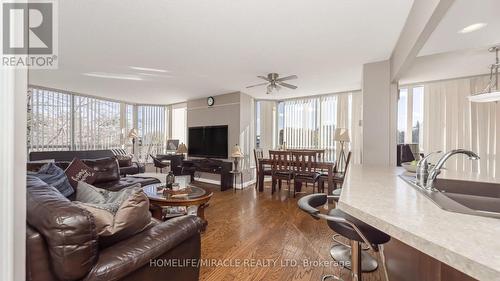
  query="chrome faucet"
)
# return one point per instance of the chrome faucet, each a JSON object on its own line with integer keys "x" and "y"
{"x": 429, "y": 185}
{"x": 423, "y": 169}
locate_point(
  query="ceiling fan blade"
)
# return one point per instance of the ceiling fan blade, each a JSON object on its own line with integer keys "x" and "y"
{"x": 264, "y": 77}
{"x": 291, "y": 77}
{"x": 289, "y": 86}
{"x": 256, "y": 85}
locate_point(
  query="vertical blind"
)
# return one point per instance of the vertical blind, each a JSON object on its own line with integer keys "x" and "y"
{"x": 451, "y": 121}
{"x": 300, "y": 123}
{"x": 63, "y": 121}
{"x": 49, "y": 123}
{"x": 152, "y": 128}
{"x": 310, "y": 123}
{"x": 96, "y": 124}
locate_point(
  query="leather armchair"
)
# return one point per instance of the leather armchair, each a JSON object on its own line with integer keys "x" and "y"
{"x": 62, "y": 244}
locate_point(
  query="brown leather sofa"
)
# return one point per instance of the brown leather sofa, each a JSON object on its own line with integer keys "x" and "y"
{"x": 62, "y": 242}
{"x": 67, "y": 156}
{"x": 108, "y": 173}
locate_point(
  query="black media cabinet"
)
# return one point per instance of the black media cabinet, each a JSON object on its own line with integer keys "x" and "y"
{"x": 212, "y": 166}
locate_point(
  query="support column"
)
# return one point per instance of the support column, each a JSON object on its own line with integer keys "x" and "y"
{"x": 13, "y": 108}
{"x": 379, "y": 114}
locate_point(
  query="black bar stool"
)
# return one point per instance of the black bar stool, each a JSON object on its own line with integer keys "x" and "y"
{"x": 351, "y": 228}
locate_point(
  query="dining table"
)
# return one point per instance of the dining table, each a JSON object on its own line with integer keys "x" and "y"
{"x": 318, "y": 165}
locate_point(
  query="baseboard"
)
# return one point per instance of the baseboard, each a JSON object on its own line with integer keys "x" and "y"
{"x": 216, "y": 182}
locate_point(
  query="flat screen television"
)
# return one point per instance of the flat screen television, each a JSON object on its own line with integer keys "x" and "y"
{"x": 208, "y": 141}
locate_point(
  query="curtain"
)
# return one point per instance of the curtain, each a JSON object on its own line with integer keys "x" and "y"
{"x": 451, "y": 121}
{"x": 356, "y": 127}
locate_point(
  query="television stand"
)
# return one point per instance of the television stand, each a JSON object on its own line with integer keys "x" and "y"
{"x": 212, "y": 166}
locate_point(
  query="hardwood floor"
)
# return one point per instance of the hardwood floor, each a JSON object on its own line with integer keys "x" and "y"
{"x": 248, "y": 225}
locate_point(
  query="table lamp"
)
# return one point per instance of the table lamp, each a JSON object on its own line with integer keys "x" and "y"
{"x": 236, "y": 154}
{"x": 341, "y": 135}
{"x": 181, "y": 149}
{"x": 132, "y": 134}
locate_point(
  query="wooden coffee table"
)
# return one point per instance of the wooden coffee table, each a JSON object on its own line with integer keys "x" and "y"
{"x": 198, "y": 197}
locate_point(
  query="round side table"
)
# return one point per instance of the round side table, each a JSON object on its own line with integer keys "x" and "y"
{"x": 236, "y": 173}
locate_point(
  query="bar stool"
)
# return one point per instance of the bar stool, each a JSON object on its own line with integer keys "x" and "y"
{"x": 351, "y": 228}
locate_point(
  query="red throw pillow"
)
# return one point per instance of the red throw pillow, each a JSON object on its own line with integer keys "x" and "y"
{"x": 78, "y": 171}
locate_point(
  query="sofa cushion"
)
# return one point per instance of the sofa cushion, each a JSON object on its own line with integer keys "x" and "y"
{"x": 124, "y": 160}
{"x": 54, "y": 176}
{"x": 106, "y": 169}
{"x": 68, "y": 230}
{"x": 130, "y": 170}
{"x": 78, "y": 171}
{"x": 118, "y": 214}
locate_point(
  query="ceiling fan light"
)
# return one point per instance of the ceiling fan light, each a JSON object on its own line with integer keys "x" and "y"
{"x": 486, "y": 97}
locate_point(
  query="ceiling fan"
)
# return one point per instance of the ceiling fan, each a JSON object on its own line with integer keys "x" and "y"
{"x": 274, "y": 83}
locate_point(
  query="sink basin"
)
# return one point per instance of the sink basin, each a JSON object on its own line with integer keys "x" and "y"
{"x": 467, "y": 197}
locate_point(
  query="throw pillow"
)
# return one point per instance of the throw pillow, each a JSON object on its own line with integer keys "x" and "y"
{"x": 78, "y": 171}
{"x": 54, "y": 176}
{"x": 124, "y": 160}
{"x": 118, "y": 214}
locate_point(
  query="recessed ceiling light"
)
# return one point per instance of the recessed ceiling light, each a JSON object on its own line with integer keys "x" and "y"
{"x": 472, "y": 27}
{"x": 148, "y": 69}
{"x": 155, "y": 75}
{"x": 113, "y": 76}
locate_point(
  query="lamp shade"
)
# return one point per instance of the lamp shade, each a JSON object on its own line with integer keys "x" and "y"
{"x": 182, "y": 148}
{"x": 236, "y": 152}
{"x": 341, "y": 134}
{"x": 132, "y": 134}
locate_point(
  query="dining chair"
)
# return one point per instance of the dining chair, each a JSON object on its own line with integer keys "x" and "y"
{"x": 258, "y": 154}
{"x": 305, "y": 167}
{"x": 281, "y": 168}
{"x": 338, "y": 177}
{"x": 159, "y": 164}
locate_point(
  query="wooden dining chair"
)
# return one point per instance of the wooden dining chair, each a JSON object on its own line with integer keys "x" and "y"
{"x": 281, "y": 168}
{"x": 258, "y": 154}
{"x": 305, "y": 167}
{"x": 338, "y": 177}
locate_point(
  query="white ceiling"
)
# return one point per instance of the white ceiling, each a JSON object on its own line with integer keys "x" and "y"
{"x": 462, "y": 13}
{"x": 219, "y": 46}
{"x": 450, "y": 54}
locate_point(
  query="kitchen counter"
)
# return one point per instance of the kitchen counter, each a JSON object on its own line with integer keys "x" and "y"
{"x": 377, "y": 196}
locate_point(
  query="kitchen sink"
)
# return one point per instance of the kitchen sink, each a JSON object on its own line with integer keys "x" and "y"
{"x": 467, "y": 197}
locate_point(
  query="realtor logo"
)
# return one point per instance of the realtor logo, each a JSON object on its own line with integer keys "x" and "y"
{"x": 29, "y": 34}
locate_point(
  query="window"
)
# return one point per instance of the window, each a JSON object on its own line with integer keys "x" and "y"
{"x": 96, "y": 124}
{"x": 300, "y": 123}
{"x": 310, "y": 123}
{"x": 49, "y": 120}
{"x": 411, "y": 116}
{"x": 152, "y": 129}
{"x": 418, "y": 115}
{"x": 402, "y": 115}
{"x": 179, "y": 122}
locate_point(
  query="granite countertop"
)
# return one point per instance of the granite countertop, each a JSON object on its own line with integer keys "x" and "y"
{"x": 377, "y": 196}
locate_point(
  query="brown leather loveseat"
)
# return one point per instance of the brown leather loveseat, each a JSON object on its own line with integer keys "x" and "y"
{"x": 62, "y": 244}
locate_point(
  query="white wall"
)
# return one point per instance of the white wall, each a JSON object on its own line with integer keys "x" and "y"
{"x": 236, "y": 110}
{"x": 379, "y": 114}
{"x": 13, "y": 93}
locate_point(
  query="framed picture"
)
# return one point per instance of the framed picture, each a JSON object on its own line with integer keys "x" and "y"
{"x": 172, "y": 144}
